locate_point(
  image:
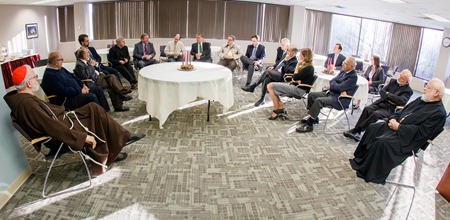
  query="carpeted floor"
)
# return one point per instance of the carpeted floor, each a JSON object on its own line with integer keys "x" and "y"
{"x": 237, "y": 166}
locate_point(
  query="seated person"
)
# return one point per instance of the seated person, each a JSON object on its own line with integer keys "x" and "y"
{"x": 86, "y": 70}
{"x": 396, "y": 93}
{"x": 386, "y": 145}
{"x": 288, "y": 66}
{"x": 120, "y": 59}
{"x": 104, "y": 138}
{"x": 229, "y": 53}
{"x": 375, "y": 75}
{"x": 304, "y": 74}
{"x": 281, "y": 54}
{"x": 144, "y": 52}
{"x": 334, "y": 60}
{"x": 174, "y": 49}
{"x": 201, "y": 51}
{"x": 342, "y": 84}
{"x": 83, "y": 39}
{"x": 253, "y": 58}
{"x": 69, "y": 89}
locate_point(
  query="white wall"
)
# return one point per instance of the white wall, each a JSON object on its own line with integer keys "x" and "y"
{"x": 14, "y": 17}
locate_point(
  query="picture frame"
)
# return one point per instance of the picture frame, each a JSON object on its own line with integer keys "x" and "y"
{"x": 31, "y": 30}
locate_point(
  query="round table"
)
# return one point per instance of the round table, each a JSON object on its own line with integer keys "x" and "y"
{"x": 165, "y": 88}
{"x": 323, "y": 79}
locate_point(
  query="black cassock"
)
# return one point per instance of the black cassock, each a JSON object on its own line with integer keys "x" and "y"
{"x": 381, "y": 149}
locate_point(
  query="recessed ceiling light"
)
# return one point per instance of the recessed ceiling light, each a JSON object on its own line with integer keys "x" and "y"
{"x": 44, "y": 2}
{"x": 394, "y": 1}
{"x": 437, "y": 17}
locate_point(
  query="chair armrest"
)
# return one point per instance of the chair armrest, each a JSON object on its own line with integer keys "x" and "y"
{"x": 87, "y": 80}
{"x": 288, "y": 76}
{"x": 304, "y": 85}
{"x": 345, "y": 97}
{"x": 37, "y": 140}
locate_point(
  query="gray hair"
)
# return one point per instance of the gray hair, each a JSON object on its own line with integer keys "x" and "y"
{"x": 409, "y": 74}
{"x": 351, "y": 61}
{"x": 439, "y": 86}
{"x": 119, "y": 38}
{"x": 286, "y": 40}
{"x": 27, "y": 77}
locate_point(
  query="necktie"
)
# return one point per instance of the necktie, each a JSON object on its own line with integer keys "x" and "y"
{"x": 145, "y": 49}
{"x": 280, "y": 64}
{"x": 284, "y": 54}
{"x": 200, "y": 50}
{"x": 254, "y": 53}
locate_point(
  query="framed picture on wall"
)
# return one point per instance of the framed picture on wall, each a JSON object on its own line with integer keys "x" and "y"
{"x": 31, "y": 30}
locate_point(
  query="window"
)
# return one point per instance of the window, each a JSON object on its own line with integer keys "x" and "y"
{"x": 373, "y": 39}
{"x": 428, "y": 53}
{"x": 345, "y": 30}
{"x": 66, "y": 24}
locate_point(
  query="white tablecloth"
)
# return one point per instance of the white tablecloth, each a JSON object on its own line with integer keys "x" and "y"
{"x": 214, "y": 52}
{"x": 446, "y": 100}
{"x": 323, "y": 79}
{"x": 319, "y": 60}
{"x": 104, "y": 53}
{"x": 165, "y": 88}
{"x": 40, "y": 72}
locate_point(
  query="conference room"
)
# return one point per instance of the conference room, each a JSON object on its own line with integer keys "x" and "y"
{"x": 209, "y": 152}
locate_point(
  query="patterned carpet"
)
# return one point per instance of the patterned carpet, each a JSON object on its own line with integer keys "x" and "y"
{"x": 237, "y": 166}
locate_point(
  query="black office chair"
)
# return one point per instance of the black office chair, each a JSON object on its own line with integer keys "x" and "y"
{"x": 359, "y": 66}
{"x": 38, "y": 63}
{"x": 304, "y": 96}
{"x": 162, "y": 55}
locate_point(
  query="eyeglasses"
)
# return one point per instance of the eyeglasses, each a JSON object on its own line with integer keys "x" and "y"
{"x": 34, "y": 77}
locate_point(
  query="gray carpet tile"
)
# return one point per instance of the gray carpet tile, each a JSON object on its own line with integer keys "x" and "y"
{"x": 237, "y": 166}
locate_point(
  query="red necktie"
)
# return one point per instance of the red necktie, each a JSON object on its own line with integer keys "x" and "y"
{"x": 145, "y": 49}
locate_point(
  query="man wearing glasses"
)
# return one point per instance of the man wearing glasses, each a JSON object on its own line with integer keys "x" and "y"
{"x": 230, "y": 53}
{"x": 342, "y": 84}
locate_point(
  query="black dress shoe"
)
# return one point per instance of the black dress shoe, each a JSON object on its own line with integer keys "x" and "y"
{"x": 249, "y": 88}
{"x": 259, "y": 102}
{"x": 122, "y": 109}
{"x": 121, "y": 156}
{"x": 124, "y": 97}
{"x": 352, "y": 135}
{"x": 134, "y": 138}
{"x": 304, "y": 128}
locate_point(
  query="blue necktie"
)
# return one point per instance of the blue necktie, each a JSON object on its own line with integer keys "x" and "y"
{"x": 253, "y": 57}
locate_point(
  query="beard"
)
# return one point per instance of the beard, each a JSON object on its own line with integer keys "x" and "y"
{"x": 426, "y": 97}
{"x": 35, "y": 87}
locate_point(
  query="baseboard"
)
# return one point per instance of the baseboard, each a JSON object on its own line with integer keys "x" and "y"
{"x": 15, "y": 185}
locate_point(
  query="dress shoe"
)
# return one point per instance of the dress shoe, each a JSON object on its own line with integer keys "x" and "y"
{"x": 121, "y": 156}
{"x": 249, "y": 88}
{"x": 305, "y": 128}
{"x": 134, "y": 86}
{"x": 126, "y": 91}
{"x": 353, "y": 135}
{"x": 121, "y": 109}
{"x": 134, "y": 138}
{"x": 124, "y": 97}
{"x": 259, "y": 102}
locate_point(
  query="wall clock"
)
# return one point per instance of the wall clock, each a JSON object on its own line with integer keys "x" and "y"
{"x": 446, "y": 42}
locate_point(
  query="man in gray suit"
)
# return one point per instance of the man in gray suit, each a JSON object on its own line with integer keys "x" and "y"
{"x": 144, "y": 52}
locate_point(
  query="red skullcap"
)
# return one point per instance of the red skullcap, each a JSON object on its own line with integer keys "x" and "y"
{"x": 19, "y": 74}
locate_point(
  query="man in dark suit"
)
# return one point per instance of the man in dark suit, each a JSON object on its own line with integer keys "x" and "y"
{"x": 281, "y": 53}
{"x": 396, "y": 93}
{"x": 86, "y": 71}
{"x": 342, "y": 84}
{"x": 253, "y": 58}
{"x": 288, "y": 65}
{"x": 335, "y": 59}
{"x": 201, "y": 51}
{"x": 120, "y": 59}
{"x": 83, "y": 39}
{"x": 144, "y": 52}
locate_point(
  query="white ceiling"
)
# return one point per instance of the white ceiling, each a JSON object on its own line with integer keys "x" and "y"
{"x": 409, "y": 13}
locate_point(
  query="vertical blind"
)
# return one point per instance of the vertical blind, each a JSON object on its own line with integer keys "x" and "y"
{"x": 275, "y": 15}
{"x": 241, "y": 18}
{"x": 104, "y": 21}
{"x": 66, "y": 24}
{"x": 404, "y": 46}
{"x": 318, "y": 28}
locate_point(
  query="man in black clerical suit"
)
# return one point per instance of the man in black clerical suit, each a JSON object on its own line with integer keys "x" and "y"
{"x": 120, "y": 59}
{"x": 386, "y": 145}
{"x": 396, "y": 93}
{"x": 253, "y": 58}
{"x": 83, "y": 39}
{"x": 336, "y": 59}
{"x": 144, "y": 52}
{"x": 201, "y": 51}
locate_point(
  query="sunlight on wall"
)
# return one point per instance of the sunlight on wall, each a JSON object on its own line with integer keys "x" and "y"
{"x": 17, "y": 44}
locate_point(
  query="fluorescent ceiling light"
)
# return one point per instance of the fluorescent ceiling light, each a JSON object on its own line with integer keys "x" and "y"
{"x": 394, "y": 1}
{"x": 437, "y": 17}
{"x": 44, "y": 2}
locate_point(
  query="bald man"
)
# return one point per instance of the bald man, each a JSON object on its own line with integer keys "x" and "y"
{"x": 396, "y": 93}
{"x": 386, "y": 145}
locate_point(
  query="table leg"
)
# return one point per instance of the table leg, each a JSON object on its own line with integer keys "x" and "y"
{"x": 209, "y": 107}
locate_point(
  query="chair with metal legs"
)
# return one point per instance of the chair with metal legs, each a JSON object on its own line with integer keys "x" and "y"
{"x": 412, "y": 186}
{"x": 52, "y": 156}
{"x": 342, "y": 109}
